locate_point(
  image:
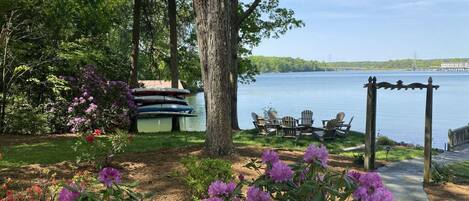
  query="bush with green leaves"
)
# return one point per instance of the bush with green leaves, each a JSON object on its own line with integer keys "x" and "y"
{"x": 99, "y": 149}
{"x": 383, "y": 140}
{"x": 200, "y": 172}
{"x": 23, "y": 118}
{"x": 308, "y": 180}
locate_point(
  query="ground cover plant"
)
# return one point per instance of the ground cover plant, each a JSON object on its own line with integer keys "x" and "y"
{"x": 309, "y": 179}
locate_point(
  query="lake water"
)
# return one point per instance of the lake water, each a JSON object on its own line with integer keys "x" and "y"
{"x": 400, "y": 114}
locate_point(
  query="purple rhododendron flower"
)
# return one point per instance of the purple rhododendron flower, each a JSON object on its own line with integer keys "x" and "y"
{"x": 219, "y": 188}
{"x": 370, "y": 179}
{"x": 213, "y": 199}
{"x": 316, "y": 153}
{"x": 354, "y": 175}
{"x": 371, "y": 188}
{"x": 67, "y": 195}
{"x": 109, "y": 176}
{"x": 91, "y": 108}
{"x": 256, "y": 194}
{"x": 280, "y": 172}
{"x": 270, "y": 157}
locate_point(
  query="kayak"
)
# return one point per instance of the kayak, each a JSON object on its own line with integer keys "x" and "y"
{"x": 164, "y": 114}
{"x": 149, "y": 100}
{"x": 164, "y": 108}
{"x": 159, "y": 91}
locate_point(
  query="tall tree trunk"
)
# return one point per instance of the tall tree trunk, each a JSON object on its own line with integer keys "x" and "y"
{"x": 173, "y": 64}
{"x": 234, "y": 64}
{"x": 213, "y": 37}
{"x": 133, "y": 81}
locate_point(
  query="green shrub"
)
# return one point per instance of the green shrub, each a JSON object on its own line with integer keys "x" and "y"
{"x": 201, "y": 172}
{"x": 358, "y": 159}
{"x": 383, "y": 140}
{"x": 119, "y": 141}
{"x": 22, "y": 118}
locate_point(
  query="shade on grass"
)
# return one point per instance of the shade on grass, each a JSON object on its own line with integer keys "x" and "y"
{"x": 395, "y": 154}
{"x": 58, "y": 150}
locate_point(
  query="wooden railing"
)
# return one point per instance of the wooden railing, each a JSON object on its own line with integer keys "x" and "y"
{"x": 457, "y": 137}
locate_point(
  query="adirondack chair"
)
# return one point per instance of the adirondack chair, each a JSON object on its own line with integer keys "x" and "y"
{"x": 290, "y": 127}
{"x": 306, "y": 118}
{"x": 344, "y": 129}
{"x": 273, "y": 118}
{"x": 306, "y": 121}
{"x": 339, "y": 118}
{"x": 329, "y": 131}
{"x": 262, "y": 125}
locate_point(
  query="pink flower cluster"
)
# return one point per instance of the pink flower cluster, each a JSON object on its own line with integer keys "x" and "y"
{"x": 256, "y": 194}
{"x": 370, "y": 187}
{"x": 314, "y": 153}
{"x": 221, "y": 189}
{"x": 276, "y": 169}
{"x": 109, "y": 176}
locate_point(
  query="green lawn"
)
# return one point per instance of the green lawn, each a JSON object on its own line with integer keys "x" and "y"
{"x": 395, "y": 154}
{"x": 460, "y": 170}
{"x": 55, "y": 151}
{"x": 59, "y": 150}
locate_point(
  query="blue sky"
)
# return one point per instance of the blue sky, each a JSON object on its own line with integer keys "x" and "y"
{"x": 356, "y": 30}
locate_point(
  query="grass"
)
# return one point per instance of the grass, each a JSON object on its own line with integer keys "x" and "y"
{"x": 460, "y": 170}
{"x": 395, "y": 154}
{"x": 248, "y": 137}
{"x": 58, "y": 150}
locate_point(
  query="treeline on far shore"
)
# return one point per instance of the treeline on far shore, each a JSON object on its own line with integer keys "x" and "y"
{"x": 289, "y": 64}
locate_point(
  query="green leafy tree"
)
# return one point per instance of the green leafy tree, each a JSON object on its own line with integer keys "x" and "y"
{"x": 250, "y": 24}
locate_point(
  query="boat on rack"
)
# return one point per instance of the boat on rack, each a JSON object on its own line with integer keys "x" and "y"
{"x": 157, "y": 99}
{"x": 165, "y": 108}
{"x": 159, "y": 91}
{"x": 150, "y": 115}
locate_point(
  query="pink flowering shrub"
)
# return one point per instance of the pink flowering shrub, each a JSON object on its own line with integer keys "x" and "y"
{"x": 306, "y": 180}
{"x": 99, "y": 103}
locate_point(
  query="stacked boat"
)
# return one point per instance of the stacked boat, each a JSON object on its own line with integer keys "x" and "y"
{"x": 162, "y": 102}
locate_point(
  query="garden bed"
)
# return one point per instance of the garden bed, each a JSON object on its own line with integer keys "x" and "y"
{"x": 154, "y": 159}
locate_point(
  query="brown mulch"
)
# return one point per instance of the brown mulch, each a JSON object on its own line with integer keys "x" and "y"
{"x": 447, "y": 191}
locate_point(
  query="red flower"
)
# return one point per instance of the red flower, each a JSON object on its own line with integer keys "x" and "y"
{"x": 90, "y": 138}
{"x": 37, "y": 189}
{"x": 9, "y": 196}
{"x": 97, "y": 132}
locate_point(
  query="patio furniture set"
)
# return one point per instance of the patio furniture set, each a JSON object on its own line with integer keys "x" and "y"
{"x": 303, "y": 126}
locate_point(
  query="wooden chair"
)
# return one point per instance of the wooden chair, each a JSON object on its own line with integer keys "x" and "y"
{"x": 290, "y": 127}
{"x": 344, "y": 129}
{"x": 329, "y": 131}
{"x": 339, "y": 118}
{"x": 306, "y": 118}
{"x": 306, "y": 121}
{"x": 261, "y": 125}
{"x": 273, "y": 118}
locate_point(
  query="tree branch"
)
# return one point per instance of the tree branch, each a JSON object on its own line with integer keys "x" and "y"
{"x": 248, "y": 12}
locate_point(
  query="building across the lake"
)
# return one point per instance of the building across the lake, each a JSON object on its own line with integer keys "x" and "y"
{"x": 457, "y": 66}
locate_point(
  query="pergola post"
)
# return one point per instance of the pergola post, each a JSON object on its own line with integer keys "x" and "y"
{"x": 370, "y": 139}
{"x": 428, "y": 133}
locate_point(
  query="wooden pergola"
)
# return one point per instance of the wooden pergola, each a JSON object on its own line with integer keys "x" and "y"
{"x": 370, "y": 140}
